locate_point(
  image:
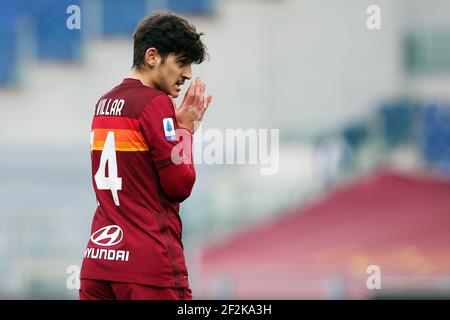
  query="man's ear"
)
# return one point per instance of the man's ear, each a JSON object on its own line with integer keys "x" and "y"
{"x": 152, "y": 57}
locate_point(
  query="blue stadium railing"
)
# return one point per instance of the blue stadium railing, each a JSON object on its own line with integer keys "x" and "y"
{"x": 54, "y": 41}
{"x": 435, "y": 140}
{"x": 121, "y": 17}
{"x": 9, "y": 11}
{"x": 398, "y": 121}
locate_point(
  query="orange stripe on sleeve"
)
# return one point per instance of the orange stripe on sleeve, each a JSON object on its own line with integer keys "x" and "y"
{"x": 125, "y": 140}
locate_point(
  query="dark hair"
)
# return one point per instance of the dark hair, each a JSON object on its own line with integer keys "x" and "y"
{"x": 167, "y": 33}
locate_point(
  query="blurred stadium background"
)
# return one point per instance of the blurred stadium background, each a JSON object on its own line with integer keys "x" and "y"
{"x": 364, "y": 119}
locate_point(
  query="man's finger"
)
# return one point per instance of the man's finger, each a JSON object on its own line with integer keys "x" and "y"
{"x": 196, "y": 99}
{"x": 190, "y": 93}
{"x": 202, "y": 97}
{"x": 200, "y": 103}
{"x": 202, "y": 90}
{"x": 205, "y": 105}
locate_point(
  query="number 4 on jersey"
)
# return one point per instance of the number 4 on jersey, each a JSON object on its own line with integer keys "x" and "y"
{"x": 112, "y": 182}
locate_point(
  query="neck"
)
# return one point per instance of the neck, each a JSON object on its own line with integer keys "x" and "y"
{"x": 141, "y": 75}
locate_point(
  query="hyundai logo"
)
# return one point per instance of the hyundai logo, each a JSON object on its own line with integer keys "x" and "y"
{"x": 107, "y": 236}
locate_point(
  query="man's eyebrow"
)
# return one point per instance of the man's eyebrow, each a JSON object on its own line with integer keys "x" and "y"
{"x": 183, "y": 59}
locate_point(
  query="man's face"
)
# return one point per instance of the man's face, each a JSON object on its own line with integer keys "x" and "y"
{"x": 172, "y": 73}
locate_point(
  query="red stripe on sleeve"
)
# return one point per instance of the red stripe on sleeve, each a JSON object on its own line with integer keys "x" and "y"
{"x": 115, "y": 122}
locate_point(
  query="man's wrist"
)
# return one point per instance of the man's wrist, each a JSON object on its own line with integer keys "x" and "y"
{"x": 189, "y": 128}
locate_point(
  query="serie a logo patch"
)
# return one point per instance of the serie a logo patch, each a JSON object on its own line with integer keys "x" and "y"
{"x": 169, "y": 129}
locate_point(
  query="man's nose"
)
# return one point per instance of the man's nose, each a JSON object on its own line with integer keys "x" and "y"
{"x": 187, "y": 73}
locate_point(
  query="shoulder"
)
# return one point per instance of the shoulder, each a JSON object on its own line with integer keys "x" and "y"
{"x": 161, "y": 101}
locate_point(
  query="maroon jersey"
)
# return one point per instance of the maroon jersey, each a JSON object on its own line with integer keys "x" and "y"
{"x": 136, "y": 229}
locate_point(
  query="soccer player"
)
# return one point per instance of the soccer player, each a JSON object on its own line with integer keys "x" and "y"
{"x": 135, "y": 249}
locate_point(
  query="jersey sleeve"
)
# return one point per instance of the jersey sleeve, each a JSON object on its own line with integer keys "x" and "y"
{"x": 158, "y": 124}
